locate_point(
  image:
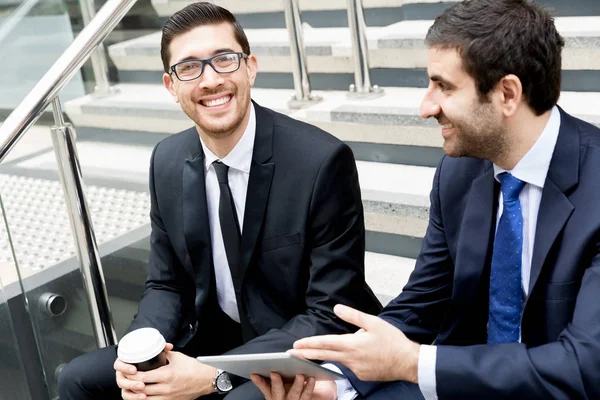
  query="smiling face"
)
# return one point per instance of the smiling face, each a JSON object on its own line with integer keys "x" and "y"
{"x": 471, "y": 126}
{"x": 219, "y": 104}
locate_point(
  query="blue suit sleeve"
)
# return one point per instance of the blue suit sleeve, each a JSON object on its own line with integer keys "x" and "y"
{"x": 419, "y": 310}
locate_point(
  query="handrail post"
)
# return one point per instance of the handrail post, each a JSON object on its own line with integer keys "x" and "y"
{"x": 360, "y": 51}
{"x": 302, "y": 97}
{"x": 98, "y": 57}
{"x": 63, "y": 139}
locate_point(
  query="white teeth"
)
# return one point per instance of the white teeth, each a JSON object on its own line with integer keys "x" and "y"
{"x": 216, "y": 102}
{"x": 447, "y": 126}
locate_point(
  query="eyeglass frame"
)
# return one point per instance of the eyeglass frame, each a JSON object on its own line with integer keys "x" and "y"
{"x": 208, "y": 61}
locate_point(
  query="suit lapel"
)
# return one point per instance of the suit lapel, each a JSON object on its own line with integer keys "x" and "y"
{"x": 196, "y": 227}
{"x": 555, "y": 207}
{"x": 259, "y": 186}
{"x": 476, "y": 238}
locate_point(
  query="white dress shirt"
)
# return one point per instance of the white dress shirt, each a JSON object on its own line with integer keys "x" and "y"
{"x": 531, "y": 169}
{"x": 238, "y": 161}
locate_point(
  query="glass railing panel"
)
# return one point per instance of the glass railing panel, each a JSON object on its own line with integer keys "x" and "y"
{"x": 33, "y": 34}
{"x": 58, "y": 307}
{"x": 115, "y": 170}
{"x": 13, "y": 380}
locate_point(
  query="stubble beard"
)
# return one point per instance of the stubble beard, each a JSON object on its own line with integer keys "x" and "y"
{"x": 222, "y": 127}
{"x": 484, "y": 137}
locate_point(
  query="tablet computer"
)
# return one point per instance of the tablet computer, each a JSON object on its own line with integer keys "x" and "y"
{"x": 263, "y": 364}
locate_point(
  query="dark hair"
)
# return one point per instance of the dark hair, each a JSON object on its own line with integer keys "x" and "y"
{"x": 496, "y": 38}
{"x": 193, "y": 16}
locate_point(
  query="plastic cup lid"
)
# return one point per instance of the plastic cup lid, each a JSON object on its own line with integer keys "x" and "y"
{"x": 140, "y": 345}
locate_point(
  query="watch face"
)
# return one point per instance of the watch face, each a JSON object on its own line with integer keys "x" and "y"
{"x": 224, "y": 383}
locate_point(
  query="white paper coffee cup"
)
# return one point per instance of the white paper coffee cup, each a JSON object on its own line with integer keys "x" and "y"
{"x": 144, "y": 348}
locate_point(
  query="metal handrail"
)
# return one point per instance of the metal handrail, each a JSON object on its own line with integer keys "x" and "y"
{"x": 63, "y": 141}
{"x": 28, "y": 112}
{"x": 98, "y": 57}
{"x": 48, "y": 87}
{"x": 362, "y": 87}
{"x": 302, "y": 93}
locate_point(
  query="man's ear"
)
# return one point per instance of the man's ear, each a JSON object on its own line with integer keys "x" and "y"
{"x": 252, "y": 68}
{"x": 511, "y": 94}
{"x": 169, "y": 84}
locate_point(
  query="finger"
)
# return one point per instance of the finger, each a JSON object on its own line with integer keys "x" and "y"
{"x": 326, "y": 342}
{"x": 129, "y": 395}
{"x": 168, "y": 347}
{"x": 128, "y": 384}
{"x": 277, "y": 389}
{"x": 124, "y": 367}
{"x": 157, "y": 389}
{"x": 323, "y": 355}
{"x": 158, "y": 375}
{"x": 355, "y": 317}
{"x": 295, "y": 353}
{"x": 308, "y": 389}
{"x": 262, "y": 385}
{"x": 138, "y": 377}
{"x": 296, "y": 390}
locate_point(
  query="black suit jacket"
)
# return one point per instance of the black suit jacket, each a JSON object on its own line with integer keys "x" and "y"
{"x": 302, "y": 247}
{"x": 445, "y": 301}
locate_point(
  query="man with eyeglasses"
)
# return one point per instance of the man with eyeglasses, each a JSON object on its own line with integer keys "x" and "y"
{"x": 257, "y": 227}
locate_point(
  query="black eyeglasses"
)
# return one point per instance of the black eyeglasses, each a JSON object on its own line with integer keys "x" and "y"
{"x": 223, "y": 63}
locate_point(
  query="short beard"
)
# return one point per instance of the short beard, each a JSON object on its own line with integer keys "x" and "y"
{"x": 484, "y": 137}
{"x": 221, "y": 131}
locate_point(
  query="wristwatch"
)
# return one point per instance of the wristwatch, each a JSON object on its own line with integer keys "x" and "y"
{"x": 222, "y": 382}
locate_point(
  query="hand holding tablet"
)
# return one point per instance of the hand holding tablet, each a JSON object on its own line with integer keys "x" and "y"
{"x": 263, "y": 364}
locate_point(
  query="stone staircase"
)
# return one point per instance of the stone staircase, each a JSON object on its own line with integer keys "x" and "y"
{"x": 396, "y": 151}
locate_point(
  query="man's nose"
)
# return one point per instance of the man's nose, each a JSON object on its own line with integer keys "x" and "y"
{"x": 210, "y": 78}
{"x": 429, "y": 108}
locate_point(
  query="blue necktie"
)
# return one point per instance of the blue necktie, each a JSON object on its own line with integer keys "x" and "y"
{"x": 506, "y": 295}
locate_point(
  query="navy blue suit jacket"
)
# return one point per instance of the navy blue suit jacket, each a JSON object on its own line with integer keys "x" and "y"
{"x": 445, "y": 301}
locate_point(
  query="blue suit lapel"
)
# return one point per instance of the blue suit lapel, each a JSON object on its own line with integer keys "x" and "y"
{"x": 555, "y": 207}
{"x": 476, "y": 237}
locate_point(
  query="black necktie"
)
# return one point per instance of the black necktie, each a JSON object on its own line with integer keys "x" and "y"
{"x": 230, "y": 227}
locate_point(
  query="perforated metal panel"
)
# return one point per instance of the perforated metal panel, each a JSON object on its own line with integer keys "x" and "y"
{"x": 39, "y": 223}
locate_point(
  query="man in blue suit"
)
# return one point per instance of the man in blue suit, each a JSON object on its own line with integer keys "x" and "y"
{"x": 503, "y": 302}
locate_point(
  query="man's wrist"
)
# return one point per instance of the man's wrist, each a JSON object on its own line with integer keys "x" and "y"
{"x": 414, "y": 365}
{"x": 211, "y": 387}
{"x": 408, "y": 368}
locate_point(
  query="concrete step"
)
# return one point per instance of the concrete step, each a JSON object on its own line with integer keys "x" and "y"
{"x": 386, "y": 129}
{"x": 396, "y": 206}
{"x": 387, "y": 275}
{"x": 398, "y": 55}
{"x": 168, "y": 7}
{"x": 269, "y": 13}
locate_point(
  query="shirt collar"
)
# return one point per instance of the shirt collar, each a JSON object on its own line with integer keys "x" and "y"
{"x": 240, "y": 157}
{"x": 534, "y": 165}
